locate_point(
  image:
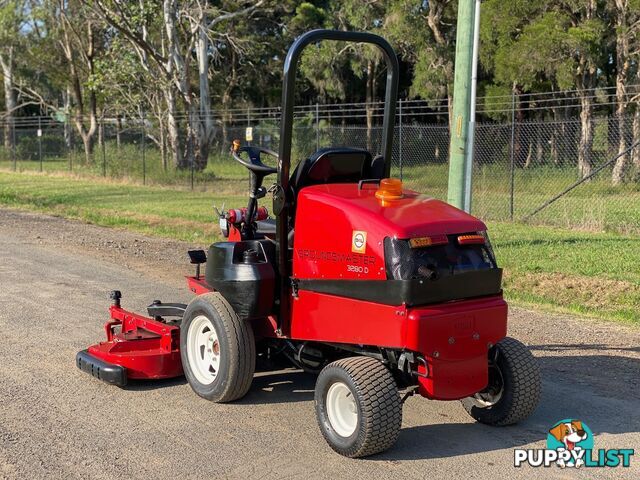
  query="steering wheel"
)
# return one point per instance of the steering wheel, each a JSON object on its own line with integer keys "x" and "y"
{"x": 254, "y": 164}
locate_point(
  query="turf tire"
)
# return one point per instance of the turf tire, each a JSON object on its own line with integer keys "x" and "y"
{"x": 237, "y": 349}
{"x": 521, "y": 386}
{"x": 379, "y": 409}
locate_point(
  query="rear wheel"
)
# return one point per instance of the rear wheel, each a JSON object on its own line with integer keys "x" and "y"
{"x": 358, "y": 406}
{"x": 513, "y": 391}
{"x": 217, "y": 348}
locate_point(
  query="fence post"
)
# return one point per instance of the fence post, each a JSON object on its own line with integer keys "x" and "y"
{"x": 400, "y": 136}
{"x": 104, "y": 153}
{"x": 512, "y": 154}
{"x": 317, "y": 127}
{"x": 39, "y": 133}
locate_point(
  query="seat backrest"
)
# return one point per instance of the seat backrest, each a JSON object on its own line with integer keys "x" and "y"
{"x": 332, "y": 165}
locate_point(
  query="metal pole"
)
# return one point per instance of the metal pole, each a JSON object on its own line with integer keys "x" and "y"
{"x": 512, "y": 153}
{"x": 461, "y": 104}
{"x": 317, "y": 127}
{"x": 143, "y": 145}
{"x": 248, "y": 122}
{"x": 104, "y": 153}
{"x": 72, "y": 149}
{"x": 400, "y": 135}
{"x": 192, "y": 160}
{"x": 13, "y": 146}
{"x": 468, "y": 166}
{"x": 40, "y": 141}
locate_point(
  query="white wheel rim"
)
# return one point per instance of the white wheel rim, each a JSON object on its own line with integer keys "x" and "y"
{"x": 203, "y": 350}
{"x": 342, "y": 409}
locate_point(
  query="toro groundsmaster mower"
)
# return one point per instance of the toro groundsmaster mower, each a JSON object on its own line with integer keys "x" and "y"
{"x": 376, "y": 288}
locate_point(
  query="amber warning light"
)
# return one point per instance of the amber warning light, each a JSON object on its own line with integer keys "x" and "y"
{"x": 471, "y": 240}
{"x": 390, "y": 189}
{"x": 433, "y": 240}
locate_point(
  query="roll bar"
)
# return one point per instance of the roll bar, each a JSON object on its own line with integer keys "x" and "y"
{"x": 280, "y": 199}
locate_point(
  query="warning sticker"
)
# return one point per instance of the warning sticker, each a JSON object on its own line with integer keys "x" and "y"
{"x": 359, "y": 241}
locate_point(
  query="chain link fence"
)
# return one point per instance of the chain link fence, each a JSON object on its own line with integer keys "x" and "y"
{"x": 518, "y": 166}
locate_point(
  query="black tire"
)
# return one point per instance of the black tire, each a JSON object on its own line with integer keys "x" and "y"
{"x": 237, "y": 349}
{"x": 512, "y": 365}
{"x": 379, "y": 409}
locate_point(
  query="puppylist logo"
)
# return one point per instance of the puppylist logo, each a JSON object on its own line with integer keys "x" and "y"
{"x": 570, "y": 444}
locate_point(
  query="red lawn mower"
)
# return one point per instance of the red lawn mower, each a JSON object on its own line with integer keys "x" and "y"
{"x": 376, "y": 288}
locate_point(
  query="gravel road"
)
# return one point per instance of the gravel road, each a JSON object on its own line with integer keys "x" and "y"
{"x": 56, "y": 422}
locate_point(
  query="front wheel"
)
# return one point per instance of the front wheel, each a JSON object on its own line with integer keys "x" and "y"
{"x": 513, "y": 391}
{"x": 358, "y": 406}
{"x": 217, "y": 349}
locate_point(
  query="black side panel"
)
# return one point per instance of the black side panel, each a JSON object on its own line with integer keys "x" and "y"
{"x": 414, "y": 292}
{"x": 243, "y": 273}
{"x": 107, "y": 372}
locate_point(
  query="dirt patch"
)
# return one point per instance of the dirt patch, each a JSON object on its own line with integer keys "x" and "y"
{"x": 159, "y": 258}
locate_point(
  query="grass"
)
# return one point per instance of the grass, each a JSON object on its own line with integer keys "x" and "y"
{"x": 594, "y": 205}
{"x": 590, "y": 273}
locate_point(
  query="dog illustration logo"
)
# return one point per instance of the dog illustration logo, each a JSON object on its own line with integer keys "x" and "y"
{"x": 572, "y": 436}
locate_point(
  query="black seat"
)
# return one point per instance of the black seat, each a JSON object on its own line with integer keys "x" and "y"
{"x": 266, "y": 228}
{"x": 327, "y": 165}
{"x": 335, "y": 165}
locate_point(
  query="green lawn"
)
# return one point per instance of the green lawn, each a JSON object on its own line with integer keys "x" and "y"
{"x": 596, "y": 274}
{"x": 594, "y": 205}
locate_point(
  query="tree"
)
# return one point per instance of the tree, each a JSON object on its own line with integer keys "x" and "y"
{"x": 625, "y": 19}
{"x": 425, "y": 34}
{"x": 187, "y": 27}
{"x": 11, "y": 19}
{"x": 333, "y": 68}
{"x": 557, "y": 42}
{"x": 80, "y": 38}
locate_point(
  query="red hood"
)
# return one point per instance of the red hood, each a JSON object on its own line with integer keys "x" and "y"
{"x": 414, "y": 215}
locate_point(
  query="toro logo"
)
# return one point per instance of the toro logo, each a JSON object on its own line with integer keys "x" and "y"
{"x": 570, "y": 444}
{"x": 359, "y": 241}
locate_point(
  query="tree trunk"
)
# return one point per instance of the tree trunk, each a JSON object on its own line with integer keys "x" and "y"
{"x": 518, "y": 150}
{"x": 101, "y": 132}
{"x": 232, "y": 81}
{"x": 176, "y": 72}
{"x": 622, "y": 69}
{"x": 87, "y": 134}
{"x": 527, "y": 161}
{"x": 118, "y": 131}
{"x": 369, "y": 102}
{"x": 635, "y": 153}
{"x": 585, "y": 165}
{"x": 10, "y": 100}
{"x": 539, "y": 146}
{"x": 555, "y": 133}
{"x": 205, "y": 129}
{"x": 173, "y": 132}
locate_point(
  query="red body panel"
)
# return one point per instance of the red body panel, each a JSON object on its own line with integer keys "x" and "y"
{"x": 328, "y": 215}
{"x": 198, "y": 285}
{"x": 453, "y": 337}
{"x": 148, "y": 349}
